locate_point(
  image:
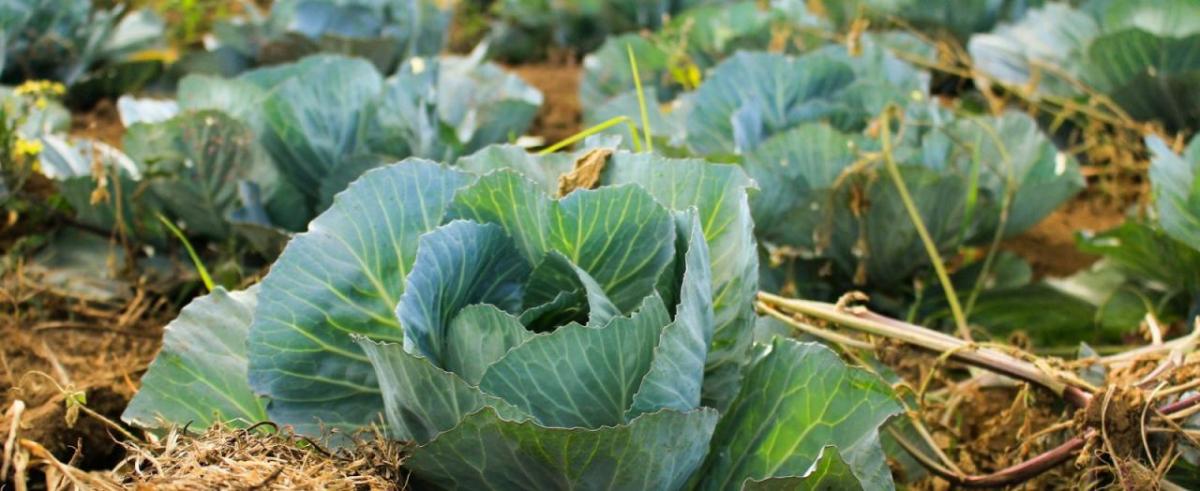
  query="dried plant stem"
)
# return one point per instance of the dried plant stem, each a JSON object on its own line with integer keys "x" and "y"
{"x": 1006, "y": 477}
{"x": 14, "y": 413}
{"x": 1179, "y": 388}
{"x": 1184, "y": 407}
{"x": 963, "y": 351}
{"x": 867, "y": 322}
{"x": 822, "y": 334}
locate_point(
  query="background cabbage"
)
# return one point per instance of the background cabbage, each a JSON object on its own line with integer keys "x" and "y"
{"x": 270, "y": 148}
{"x": 956, "y": 18}
{"x": 385, "y": 32}
{"x": 1139, "y": 54}
{"x": 695, "y": 40}
{"x": 96, "y": 52}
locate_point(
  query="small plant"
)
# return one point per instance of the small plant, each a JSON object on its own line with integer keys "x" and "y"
{"x": 937, "y": 17}
{"x": 529, "y": 29}
{"x": 831, "y": 215}
{"x": 26, "y": 113}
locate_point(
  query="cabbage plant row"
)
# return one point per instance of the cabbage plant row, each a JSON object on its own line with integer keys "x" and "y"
{"x": 520, "y": 335}
{"x": 96, "y": 52}
{"x": 263, "y": 153}
{"x": 807, "y": 129}
{"x": 1142, "y": 55}
{"x": 386, "y": 32}
{"x": 985, "y": 177}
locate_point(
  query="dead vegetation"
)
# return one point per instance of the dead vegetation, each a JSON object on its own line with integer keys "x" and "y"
{"x": 64, "y": 355}
{"x": 74, "y": 350}
{"x": 254, "y": 459}
{"x": 1044, "y": 425}
{"x": 221, "y": 458}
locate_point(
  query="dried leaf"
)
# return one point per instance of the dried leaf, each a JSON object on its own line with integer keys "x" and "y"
{"x": 586, "y": 173}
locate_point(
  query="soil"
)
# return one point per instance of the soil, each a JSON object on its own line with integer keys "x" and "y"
{"x": 59, "y": 348}
{"x": 560, "y": 115}
{"x": 1050, "y": 245}
{"x": 101, "y": 122}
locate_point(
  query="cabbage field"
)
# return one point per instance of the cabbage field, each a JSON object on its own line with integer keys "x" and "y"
{"x": 584, "y": 244}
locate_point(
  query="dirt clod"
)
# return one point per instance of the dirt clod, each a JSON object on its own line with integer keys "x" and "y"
{"x": 1118, "y": 414}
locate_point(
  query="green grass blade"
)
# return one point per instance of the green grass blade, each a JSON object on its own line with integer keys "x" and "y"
{"x": 203, "y": 271}
{"x": 637, "y": 146}
{"x": 641, "y": 95}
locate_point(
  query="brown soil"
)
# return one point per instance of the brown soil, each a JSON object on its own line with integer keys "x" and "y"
{"x": 560, "y": 115}
{"x": 102, "y": 122}
{"x": 58, "y": 349}
{"x": 1050, "y": 245}
{"x": 1118, "y": 413}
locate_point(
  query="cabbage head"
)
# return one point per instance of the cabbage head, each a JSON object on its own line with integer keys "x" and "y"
{"x": 519, "y": 339}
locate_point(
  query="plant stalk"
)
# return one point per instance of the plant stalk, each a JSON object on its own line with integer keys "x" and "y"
{"x": 939, "y": 267}
{"x": 963, "y": 351}
{"x": 641, "y": 96}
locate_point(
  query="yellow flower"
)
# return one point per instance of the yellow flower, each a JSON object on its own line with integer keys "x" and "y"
{"x": 30, "y": 148}
{"x": 41, "y": 88}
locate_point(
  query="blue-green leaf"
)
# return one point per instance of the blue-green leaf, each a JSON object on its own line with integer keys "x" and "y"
{"x": 312, "y": 121}
{"x": 421, "y": 400}
{"x": 515, "y": 203}
{"x": 880, "y": 245}
{"x": 199, "y": 377}
{"x": 795, "y": 171}
{"x": 577, "y": 375}
{"x": 1014, "y": 157}
{"x": 235, "y": 97}
{"x": 556, "y": 276}
{"x": 459, "y": 264}
{"x": 830, "y": 471}
{"x": 619, "y": 235}
{"x": 1176, "y": 184}
{"x": 796, "y": 401}
{"x": 655, "y": 451}
{"x": 196, "y": 161}
{"x": 783, "y": 91}
{"x": 1041, "y": 49}
{"x": 344, "y": 276}
{"x": 718, "y": 192}
{"x": 477, "y": 337}
{"x": 676, "y": 374}
{"x": 541, "y": 169}
{"x": 484, "y": 103}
